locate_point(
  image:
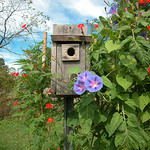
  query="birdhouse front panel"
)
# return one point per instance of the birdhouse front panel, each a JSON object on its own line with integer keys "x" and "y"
{"x": 68, "y": 50}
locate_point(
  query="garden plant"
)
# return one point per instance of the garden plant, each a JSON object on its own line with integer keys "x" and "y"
{"x": 113, "y": 111}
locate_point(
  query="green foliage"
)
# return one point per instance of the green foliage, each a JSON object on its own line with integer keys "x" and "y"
{"x": 118, "y": 116}
{"x": 32, "y": 90}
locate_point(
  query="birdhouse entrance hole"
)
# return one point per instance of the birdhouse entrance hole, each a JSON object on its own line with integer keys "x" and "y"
{"x": 71, "y": 51}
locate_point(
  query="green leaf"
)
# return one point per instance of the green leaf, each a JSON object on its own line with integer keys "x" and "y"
{"x": 144, "y": 100}
{"x": 86, "y": 116}
{"x": 74, "y": 69}
{"x": 146, "y": 13}
{"x": 140, "y": 48}
{"x": 103, "y": 20}
{"x": 141, "y": 101}
{"x": 128, "y": 39}
{"x": 115, "y": 122}
{"x": 141, "y": 73}
{"x": 128, "y": 61}
{"x": 73, "y": 119}
{"x": 125, "y": 27}
{"x": 131, "y": 138}
{"x": 106, "y": 81}
{"x": 128, "y": 15}
{"x": 137, "y": 30}
{"x": 145, "y": 116}
{"x": 144, "y": 23}
{"x": 110, "y": 46}
{"x": 125, "y": 82}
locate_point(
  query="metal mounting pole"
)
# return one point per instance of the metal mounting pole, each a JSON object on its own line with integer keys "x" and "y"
{"x": 68, "y": 107}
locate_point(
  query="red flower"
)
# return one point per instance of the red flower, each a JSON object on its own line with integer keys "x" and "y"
{"x": 50, "y": 120}
{"x": 15, "y": 103}
{"x": 37, "y": 116}
{"x": 148, "y": 27}
{"x": 22, "y": 80}
{"x": 17, "y": 73}
{"x": 58, "y": 147}
{"x": 96, "y": 26}
{"x": 13, "y": 74}
{"x": 24, "y": 75}
{"x": 53, "y": 56}
{"x": 79, "y": 127}
{"x": 78, "y": 147}
{"x": 81, "y": 26}
{"x": 141, "y": 1}
{"x": 19, "y": 110}
{"x": 31, "y": 57}
{"x": 27, "y": 52}
{"x": 47, "y": 66}
{"x": 50, "y": 91}
{"x": 147, "y": 1}
{"x": 24, "y": 26}
{"x": 34, "y": 66}
{"x": 48, "y": 105}
{"x": 149, "y": 69}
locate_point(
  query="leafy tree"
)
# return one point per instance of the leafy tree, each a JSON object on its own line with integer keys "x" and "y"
{"x": 14, "y": 14}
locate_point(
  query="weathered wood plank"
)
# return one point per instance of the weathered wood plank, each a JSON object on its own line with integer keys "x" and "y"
{"x": 60, "y": 29}
{"x": 75, "y": 38}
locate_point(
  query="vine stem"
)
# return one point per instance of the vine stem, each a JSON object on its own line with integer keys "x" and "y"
{"x": 123, "y": 113}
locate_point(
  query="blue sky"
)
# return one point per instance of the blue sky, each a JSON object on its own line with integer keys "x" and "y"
{"x": 60, "y": 12}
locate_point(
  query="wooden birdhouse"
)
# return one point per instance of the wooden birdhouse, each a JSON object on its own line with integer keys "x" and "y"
{"x": 68, "y": 49}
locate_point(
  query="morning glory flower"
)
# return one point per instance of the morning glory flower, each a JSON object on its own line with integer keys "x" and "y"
{"x": 94, "y": 83}
{"x": 79, "y": 87}
{"x": 83, "y": 76}
{"x": 113, "y": 10}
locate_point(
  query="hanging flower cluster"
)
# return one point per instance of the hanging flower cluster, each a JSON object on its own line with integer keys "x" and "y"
{"x": 87, "y": 81}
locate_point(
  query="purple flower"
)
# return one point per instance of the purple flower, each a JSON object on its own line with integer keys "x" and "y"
{"x": 94, "y": 83}
{"x": 79, "y": 87}
{"x": 144, "y": 35}
{"x": 115, "y": 22}
{"x": 113, "y": 10}
{"x": 83, "y": 76}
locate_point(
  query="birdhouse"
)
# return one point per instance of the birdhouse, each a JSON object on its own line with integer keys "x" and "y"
{"x": 69, "y": 47}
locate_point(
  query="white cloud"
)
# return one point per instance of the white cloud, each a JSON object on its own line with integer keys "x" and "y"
{"x": 85, "y": 7}
{"x": 12, "y": 65}
{"x": 6, "y": 55}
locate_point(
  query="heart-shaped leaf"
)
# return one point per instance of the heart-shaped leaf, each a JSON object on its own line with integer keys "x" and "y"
{"x": 125, "y": 82}
{"x": 110, "y": 46}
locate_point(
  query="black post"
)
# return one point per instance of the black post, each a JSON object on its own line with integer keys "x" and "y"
{"x": 68, "y": 107}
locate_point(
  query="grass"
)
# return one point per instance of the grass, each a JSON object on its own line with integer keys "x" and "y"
{"x": 13, "y": 135}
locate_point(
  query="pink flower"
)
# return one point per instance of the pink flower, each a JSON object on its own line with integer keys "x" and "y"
{"x": 139, "y": 15}
{"x": 125, "y": 9}
{"x": 127, "y": 1}
{"x": 34, "y": 66}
